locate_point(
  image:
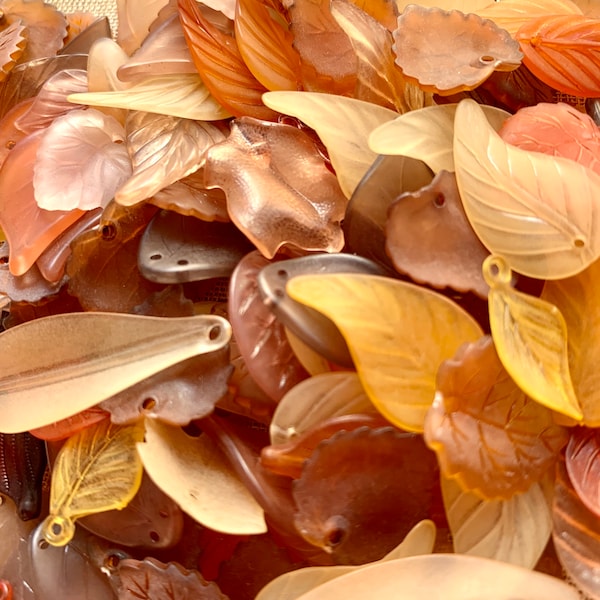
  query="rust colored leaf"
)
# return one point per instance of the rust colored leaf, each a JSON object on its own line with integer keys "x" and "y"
{"x": 13, "y": 41}
{"x": 429, "y": 237}
{"x": 582, "y": 459}
{"x": 479, "y": 47}
{"x": 265, "y": 44}
{"x": 69, "y": 426}
{"x": 328, "y": 60}
{"x": 221, "y": 66}
{"x": 152, "y": 580}
{"x": 478, "y": 405}
{"x": 563, "y": 51}
{"x": 103, "y": 270}
{"x": 269, "y": 199}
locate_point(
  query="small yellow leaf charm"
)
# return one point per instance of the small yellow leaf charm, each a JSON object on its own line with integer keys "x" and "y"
{"x": 531, "y": 339}
{"x": 97, "y": 469}
{"x": 398, "y": 334}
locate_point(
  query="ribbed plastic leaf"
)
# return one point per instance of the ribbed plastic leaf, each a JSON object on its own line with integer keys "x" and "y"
{"x": 343, "y": 124}
{"x": 100, "y": 355}
{"x": 582, "y": 459}
{"x": 97, "y": 469}
{"x": 194, "y": 473}
{"x": 398, "y": 334}
{"x": 177, "y": 95}
{"x": 539, "y": 212}
{"x": 531, "y": 339}
{"x": 13, "y": 40}
{"x": 426, "y": 134}
{"x": 290, "y": 586}
{"x": 515, "y": 531}
{"x": 447, "y": 576}
{"x": 562, "y": 51}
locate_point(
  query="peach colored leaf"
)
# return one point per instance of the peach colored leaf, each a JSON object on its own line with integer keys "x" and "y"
{"x": 182, "y": 96}
{"x": 513, "y": 14}
{"x": 561, "y": 51}
{"x": 105, "y": 59}
{"x": 447, "y": 576}
{"x": 426, "y": 134}
{"x": 194, "y": 473}
{"x": 135, "y": 18}
{"x": 13, "y": 41}
{"x": 81, "y": 161}
{"x": 466, "y": 6}
{"x": 583, "y": 466}
{"x": 531, "y": 339}
{"x": 515, "y": 531}
{"x": 163, "y": 149}
{"x": 397, "y": 333}
{"x": 477, "y": 402}
{"x": 576, "y": 298}
{"x": 589, "y": 8}
{"x": 479, "y": 47}
{"x": 266, "y": 44}
{"x": 539, "y": 212}
{"x": 343, "y": 124}
{"x": 268, "y": 199}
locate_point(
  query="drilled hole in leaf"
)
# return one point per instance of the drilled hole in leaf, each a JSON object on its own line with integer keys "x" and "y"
{"x": 486, "y": 59}
{"x": 155, "y": 256}
{"x": 148, "y": 403}
{"x": 439, "y": 201}
{"x": 43, "y": 544}
{"x": 182, "y": 262}
{"x": 111, "y": 562}
{"x": 109, "y": 232}
{"x": 335, "y": 537}
{"x": 214, "y": 333}
{"x": 154, "y": 536}
{"x": 579, "y": 243}
{"x": 282, "y": 273}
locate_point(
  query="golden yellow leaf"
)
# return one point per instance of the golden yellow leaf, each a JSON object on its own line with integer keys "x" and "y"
{"x": 397, "y": 333}
{"x": 97, "y": 469}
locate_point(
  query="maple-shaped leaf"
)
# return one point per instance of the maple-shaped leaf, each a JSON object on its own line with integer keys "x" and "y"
{"x": 517, "y": 440}
{"x": 12, "y": 44}
{"x": 221, "y": 66}
{"x": 269, "y": 200}
{"x": 150, "y": 579}
{"x": 582, "y": 460}
{"x": 163, "y": 150}
{"x": 561, "y": 51}
{"x": 81, "y": 161}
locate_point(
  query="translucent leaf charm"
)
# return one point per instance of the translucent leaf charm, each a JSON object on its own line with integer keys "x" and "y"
{"x": 96, "y": 470}
{"x": 531, "y": 339}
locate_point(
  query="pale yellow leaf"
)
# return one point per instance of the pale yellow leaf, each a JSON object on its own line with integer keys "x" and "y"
{"x": 313, "y": 363}
{"x": 426, "y": 134}
{"x": 195, "y": 474}
{"x": 343, "y": 124}
{"x": 514, "y": 531}
{"x": 539, "y": 212}
{"x": 183, "y": 96}
{"x": 397, "y": 333}
{"x": 104, "y": 60}
{"x": 290, "y": 586}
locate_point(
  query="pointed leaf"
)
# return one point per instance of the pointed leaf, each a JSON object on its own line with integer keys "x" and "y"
{"x": 397, "y": 333}
{"x": 100, "y": 354}
{"x": 344, "y": 125}
{"x": 135, "y": 18}
{"x": 426, "y": 134}
{"x": 176, "y": 95}
{"x": 538, "y": 212}
{"x": 583, "y": 466}
{"x": 194, "y": 473}
{"x": 163, "y": 149}
{"x": 531, "y": 339}
{"x": 515, "y": 531}
{"x": 97, "y": 469}
{"x": 81, "y": 162}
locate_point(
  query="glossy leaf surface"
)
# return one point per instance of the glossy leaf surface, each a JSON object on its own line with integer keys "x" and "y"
{"x": 96, "y": 470}
{"x": 61, "y": 430}
{"x": 539, "y": 212}
{"x": 194, "y": 473}
{"x": 583, "y": 466}
{"x": 343, "y": 124}
{"x": 530, "y": 335}
{"x": 13, "y": 41}
{"x": 100, "y": 355}
{"x": 396, "y": 360}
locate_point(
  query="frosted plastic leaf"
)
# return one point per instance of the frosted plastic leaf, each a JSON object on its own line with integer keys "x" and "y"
{"x": 135, "y": 18}
{"x": 426, "y": 134}
{"x": 105, "y": 59}
{"x": 538, "y": 212}
{"x": 81, "y": 161}
{"x": 343, "y": 124}
{"x": 531, "y": 339}
{"x": 97, "y": 469}
{"x": 561, "y": 51}
{"x": 290, "y": 586}
{"x": 582, "y": 462}
{"x": 315, "y": 400}
{"x": 515, "y": 531}
{"x": 163, "y": 149}
{"x": 443, "y": 576}
{"x": 13, "y": 40}
{"x": 100, "y": 355}
{"x": 466, "y": 6}
{"x": 177, "y": 95}
{"x": 194, "y": 473}
{"x": 397, "y": 333}
{"x": 513, "y": 14}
